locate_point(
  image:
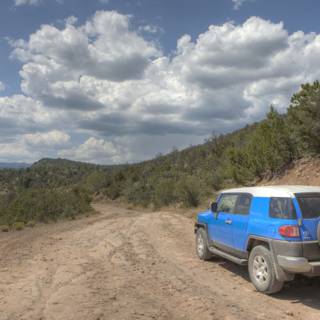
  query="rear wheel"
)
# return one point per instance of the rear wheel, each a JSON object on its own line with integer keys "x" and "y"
{"x": 262, "y": 271}
{"x": 202, "y": 245}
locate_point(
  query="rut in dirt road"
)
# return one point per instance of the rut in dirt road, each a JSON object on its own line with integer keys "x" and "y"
{"x": 124, "y": 264}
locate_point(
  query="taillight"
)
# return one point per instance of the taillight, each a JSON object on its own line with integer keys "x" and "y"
{"x": 289, "y": 231}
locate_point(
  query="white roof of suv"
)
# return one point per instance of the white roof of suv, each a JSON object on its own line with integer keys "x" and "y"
{"x": 275, "y": 191}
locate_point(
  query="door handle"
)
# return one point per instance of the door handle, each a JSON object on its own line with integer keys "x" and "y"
{"x": 228, "y": 221}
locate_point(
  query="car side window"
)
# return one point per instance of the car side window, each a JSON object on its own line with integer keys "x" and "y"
{"x": 243, "y": 204}
{"x": 282, "y": 208}
{"x": 227, "y": 203}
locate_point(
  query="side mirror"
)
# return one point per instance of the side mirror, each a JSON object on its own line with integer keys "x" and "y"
{"x": 214, "y": 207}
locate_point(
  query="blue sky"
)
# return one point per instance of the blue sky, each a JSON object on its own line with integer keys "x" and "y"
{"x": 123, "y": 80}
{"x": 175, "y": 17}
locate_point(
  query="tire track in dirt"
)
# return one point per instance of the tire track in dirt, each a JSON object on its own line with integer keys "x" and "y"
{"x": 125, "y": 264}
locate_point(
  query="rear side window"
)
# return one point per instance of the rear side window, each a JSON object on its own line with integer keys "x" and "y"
{"x": 309, "y": 204}
{"x": 227, "y": 203}
{"x": 282, "y": 208}
{"x": 243, "y": 204}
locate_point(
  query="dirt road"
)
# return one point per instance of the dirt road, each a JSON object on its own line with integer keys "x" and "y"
{"x": 123, "y": 264}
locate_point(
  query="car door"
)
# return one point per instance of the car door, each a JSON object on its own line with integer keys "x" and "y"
{"x": 220, "y": 230}
{"x": 240, "y": 220}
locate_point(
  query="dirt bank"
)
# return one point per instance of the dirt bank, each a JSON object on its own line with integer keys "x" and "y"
{"x": 304, "y": 171}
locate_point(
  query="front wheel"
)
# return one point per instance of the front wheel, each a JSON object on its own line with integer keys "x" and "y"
{"x": 262, "y": 271}
{"x": 201, "y": 245}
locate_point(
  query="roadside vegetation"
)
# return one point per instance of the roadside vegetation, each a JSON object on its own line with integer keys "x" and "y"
{"x": 48, "y": 191}
{"x": 52, "y": 189}
{"x": 244, "y": 157}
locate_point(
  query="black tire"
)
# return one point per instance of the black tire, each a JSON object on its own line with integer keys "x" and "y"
{"x": 262, "y": 271}
{"x": 202, "y": 245}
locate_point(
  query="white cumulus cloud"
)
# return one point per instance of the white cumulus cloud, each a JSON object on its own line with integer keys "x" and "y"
{"x": 47, "y": 139}
{"x": 27, "y": 2}
{"x": 93, "y": 150}
{"x": 149, "y": 28}
{"x": 16, "y": 151}
{"x": 117, "y": 92}
{"x": 18, "y": 3}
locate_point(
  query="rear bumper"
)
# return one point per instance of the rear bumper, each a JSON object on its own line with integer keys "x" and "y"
{"x": 296, "y": 257}
{"x": 310, "y": 250}
{"x": 299, "y": 265}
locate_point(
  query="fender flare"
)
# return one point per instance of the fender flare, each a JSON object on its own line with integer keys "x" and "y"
{"x": 280, "y": 273}
{"x": 199, "y": 225}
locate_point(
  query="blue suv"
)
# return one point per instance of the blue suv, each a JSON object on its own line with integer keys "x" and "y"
{"x": 273, "y": 229}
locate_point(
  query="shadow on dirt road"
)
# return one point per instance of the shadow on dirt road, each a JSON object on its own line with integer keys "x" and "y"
{"x": 302, "y": 290}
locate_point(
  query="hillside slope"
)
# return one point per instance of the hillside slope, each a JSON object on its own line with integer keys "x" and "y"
{"x": 258, "y": 152}
{"x": 304, "y": 171}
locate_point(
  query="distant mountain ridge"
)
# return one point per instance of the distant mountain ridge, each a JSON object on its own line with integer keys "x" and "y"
{"x": 66, "y": 163}
{"x": 59, "y": 162}
{"x": 56, "y": 163}
{"x": 14, "y": 165}
{"x": 48, "y": 162}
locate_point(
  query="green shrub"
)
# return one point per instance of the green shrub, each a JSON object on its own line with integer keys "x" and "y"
{"x": 188, "y": 191}
{"x": 164, "y": 192}
{"x": 267, "y": 149}
{"x": 45, "y": 205}
{"x": 113, "y": 192}
{"x": 18, "y": 226}
{"x": 304, "y": 119}
{"x": 139, "y": 193}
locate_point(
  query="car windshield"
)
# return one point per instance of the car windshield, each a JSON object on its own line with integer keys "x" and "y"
{"x": 309, "y": 204}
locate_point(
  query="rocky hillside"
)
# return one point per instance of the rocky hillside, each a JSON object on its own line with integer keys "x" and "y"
{"x": 304, "y": 171}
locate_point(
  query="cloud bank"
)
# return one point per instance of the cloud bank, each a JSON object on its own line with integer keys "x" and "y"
{"x": 102, "y": 92}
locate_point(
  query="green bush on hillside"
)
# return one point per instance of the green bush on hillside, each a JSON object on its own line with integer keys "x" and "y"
{"x": 304, "y": 119}
{"x": 44, "y": 205}
{"x": 240, "y": 158}
{"x": 188, "y": 191}
{"x": 267, "y": 150}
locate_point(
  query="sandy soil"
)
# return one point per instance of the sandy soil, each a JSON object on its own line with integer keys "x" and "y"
{"x": 125, "y": 264}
